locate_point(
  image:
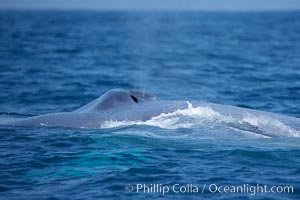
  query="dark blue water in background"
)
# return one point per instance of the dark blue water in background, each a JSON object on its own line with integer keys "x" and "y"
{"x": 58, "y": 61}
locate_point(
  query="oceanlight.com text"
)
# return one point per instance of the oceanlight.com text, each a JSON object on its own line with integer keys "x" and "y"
{"x": 177, "y": 188}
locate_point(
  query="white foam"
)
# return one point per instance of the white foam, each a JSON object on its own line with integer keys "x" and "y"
{"x": 193, "y": 117}
{"x": 172, "y": 120}
{"x": 271, "y": 126}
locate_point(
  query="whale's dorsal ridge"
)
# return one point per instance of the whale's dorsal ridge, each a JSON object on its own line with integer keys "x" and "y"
{"x": 116, "y": 98}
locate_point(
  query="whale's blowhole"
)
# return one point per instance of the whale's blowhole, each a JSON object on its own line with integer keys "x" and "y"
{"x": 134, "y": 98}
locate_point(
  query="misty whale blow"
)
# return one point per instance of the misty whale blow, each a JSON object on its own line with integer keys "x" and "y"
{"x": 137, "y": 107}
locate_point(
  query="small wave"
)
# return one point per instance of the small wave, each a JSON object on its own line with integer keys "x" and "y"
{"x": 195, "y": 117}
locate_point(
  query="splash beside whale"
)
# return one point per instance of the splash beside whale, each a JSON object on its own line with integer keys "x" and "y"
{"x": 119, "y": 107}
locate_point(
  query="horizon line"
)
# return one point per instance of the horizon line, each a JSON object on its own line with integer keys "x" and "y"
{"x": 151, "y": 10}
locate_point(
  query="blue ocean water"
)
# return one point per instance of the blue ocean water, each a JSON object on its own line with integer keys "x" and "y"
{"x": 53, "y": 61}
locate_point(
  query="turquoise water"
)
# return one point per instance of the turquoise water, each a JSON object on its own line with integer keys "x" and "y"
{"x": 59, "y": 61}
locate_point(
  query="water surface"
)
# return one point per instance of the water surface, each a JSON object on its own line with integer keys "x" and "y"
{"x": 58, "y": 61}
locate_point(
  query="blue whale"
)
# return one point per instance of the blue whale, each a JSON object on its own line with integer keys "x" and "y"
{"x": 124, "y": 107}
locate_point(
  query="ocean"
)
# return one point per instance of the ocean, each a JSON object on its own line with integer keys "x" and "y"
{"x": 54, "y": 61}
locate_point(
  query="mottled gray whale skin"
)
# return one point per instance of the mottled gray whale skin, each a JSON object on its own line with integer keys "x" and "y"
{"x": 115, "y": 104}
{"x": 125, "y": 105}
